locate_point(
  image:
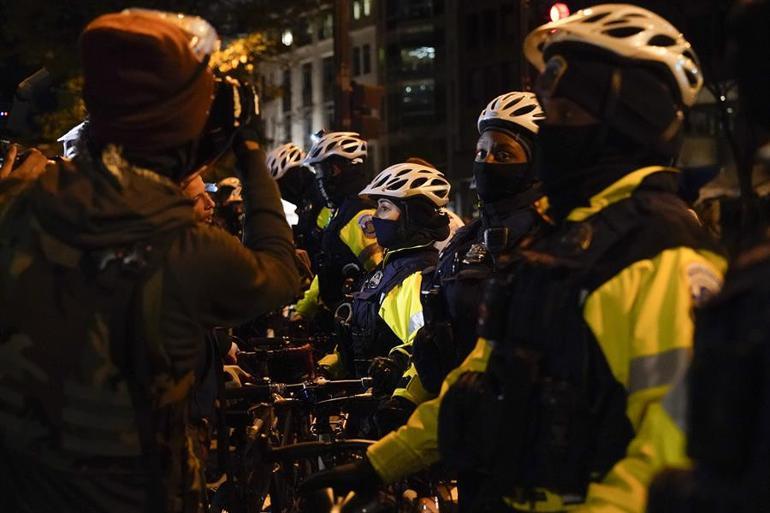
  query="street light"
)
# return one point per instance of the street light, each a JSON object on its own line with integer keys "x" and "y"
{"x": 559, "y": 11}
{"x": 287, "y": 38}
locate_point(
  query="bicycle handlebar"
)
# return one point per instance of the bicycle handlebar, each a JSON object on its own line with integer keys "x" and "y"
{"x": 303, "y": 450}
{"x": 264, "y": 392}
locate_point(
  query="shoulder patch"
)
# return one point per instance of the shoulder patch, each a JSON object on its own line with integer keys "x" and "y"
{"x": 703, "y": 281}
{"x": 365, "y": 222}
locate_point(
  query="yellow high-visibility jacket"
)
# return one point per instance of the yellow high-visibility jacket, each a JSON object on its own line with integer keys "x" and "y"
{"x": 642, "y": 320}
{"x": 358, "y": 236}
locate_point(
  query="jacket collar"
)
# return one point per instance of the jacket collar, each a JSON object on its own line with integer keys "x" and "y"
{"x": 616, "y": 191}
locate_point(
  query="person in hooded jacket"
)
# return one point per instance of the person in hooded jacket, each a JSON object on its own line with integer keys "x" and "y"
{"x": 108, "y": 284}
{"x": 348, "y": 245}
{"x": 510, "y": 206}
{"x": 584, "y": 339}
{"x": 298, "y": 186}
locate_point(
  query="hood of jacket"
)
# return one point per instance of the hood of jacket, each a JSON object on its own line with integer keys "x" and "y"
{"x": 93, "y": 204}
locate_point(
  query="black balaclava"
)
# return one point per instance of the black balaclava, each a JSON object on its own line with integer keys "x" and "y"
{"x": 639, "y": 124}
{"x": 420, "y": 224}
{"x": 297, "y": 184}
{"x": 499, "y": 182}
{"x": 348, "y": 183}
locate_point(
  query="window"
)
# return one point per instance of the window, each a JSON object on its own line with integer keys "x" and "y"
{"x": 367, "y": 58}
{"x": 367, "y": 7}
{"x": 328, "y": 78}
{"x": 307, "y": 84}
{"x": 307, "y": 128}
{"x": 328, "y": 116}
{"x": 417, "y": 97}
{"x": 418, "y": 58}
{"x": 286, "y": 90}
{"x": 489, "y": 27}
{"x": 472, "y": 31}
{"x": 287, "y": 128}
{"x": 356, "y": 9}
{"x": 356, "y": 61}
{"x": 476, "y": 87}
{"x": 326, "y": 27}
{"x": 508, "y": 21}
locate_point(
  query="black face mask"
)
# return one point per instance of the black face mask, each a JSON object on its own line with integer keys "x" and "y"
{"x": 576, "y": 162}
{"x": 335, "y": 189}
{"x": 495, "y": 182}
{"x": 564, "y": 149}
{"x": 294, "y": 185}
{"x": 389, "y": 233}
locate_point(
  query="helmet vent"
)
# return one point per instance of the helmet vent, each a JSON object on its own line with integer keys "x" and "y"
{"x": 381, "y": 182}
{"x": 396, "y": 185}
{"x": 691, "y": 78}
{"x": 511, "y": 103}
{"x": 418, "y": 182}
{"x": 661, "y": 40}
{"x": 524, "y": 110}
{"x": 622, "y": 32}
{"x": 403, "y": 172}
{"x": 596, "y": 17}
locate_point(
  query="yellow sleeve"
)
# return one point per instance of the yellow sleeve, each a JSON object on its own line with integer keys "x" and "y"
{"x": 642, "y": 319}
{"x": 401, "y": 309}
{"x": 412, "y": 389}
{"x": 307, "y": 307}
{"x": 332, "y": 364}
{"x": 358, "y": 235}
{"x": 415, "y": 445}
{"x": 324, "y": 216}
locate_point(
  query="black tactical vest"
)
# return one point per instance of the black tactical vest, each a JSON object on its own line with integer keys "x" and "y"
{"x": 370, "y": 336}
{"x": 336, "y": 262}
{"x": 458, "y": 286}
{"x": 557, "y": 416}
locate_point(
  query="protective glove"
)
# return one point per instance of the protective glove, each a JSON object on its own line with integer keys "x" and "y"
{"x": 386, "y": 374}
{"x": 672, "y": 491}
{"x": 359, "y": 476}
{"x": 465, "y": 409}
{"x": 434, "y": 354}
{"x": 392, "y": 414}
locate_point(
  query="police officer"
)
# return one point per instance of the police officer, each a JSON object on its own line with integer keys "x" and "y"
{"x": 585, "y": 339}
{"x": 109, "y": 285}
{"x": 348, "y": 245}
{"x": 298, "y": 186}
{"x": 508, "y": 192}
{"x": 386, "y": 314}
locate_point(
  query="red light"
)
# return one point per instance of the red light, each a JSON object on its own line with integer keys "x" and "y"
{"x": 559, "y": 11}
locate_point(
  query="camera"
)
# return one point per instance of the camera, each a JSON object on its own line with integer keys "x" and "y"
{"x": 5, "y": 146}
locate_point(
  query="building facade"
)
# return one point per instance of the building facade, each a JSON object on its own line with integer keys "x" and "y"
{"x": 299, "y": 83}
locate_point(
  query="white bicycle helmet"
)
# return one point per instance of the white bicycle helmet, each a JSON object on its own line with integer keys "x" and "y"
{"x": 406, "y": 180}
{"x": 283, "y": 158}
{"x": 70, "y": 139}
{"x": 630, "y": 32}
{"x": 348, "y": 145}
{"x": 518, "y": 108}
